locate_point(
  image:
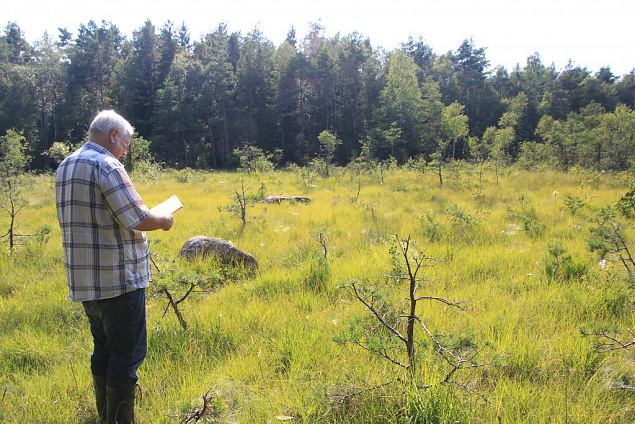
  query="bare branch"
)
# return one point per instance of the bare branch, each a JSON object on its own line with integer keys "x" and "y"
{"x": 175, "y": 307}
{"x": 622, "y": 386}
{"x": 442, "y": 300}
{"x": 342, "y": 398}
{"x": 154, "y": 263}
{"x": 384, "y": 354}
{"x": 472, "y": 390}
{"x": 377, "y": 314}
{"x": 187, "y": 293}
{"x": 613, "y": 342}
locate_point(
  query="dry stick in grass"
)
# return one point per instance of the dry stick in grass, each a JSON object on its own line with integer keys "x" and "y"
{"x": 340, "y": 398}
{"x": 322, "y": 241}
{"x": 195, "y": 415}
{"x": 242, "y": 203}
{"x": 74, "y": 378}
{"x": 622, "y": 386}
{"x": 612, "y": 342}
{"x": 171, "y": 301}
{"x": 175, "y": 304}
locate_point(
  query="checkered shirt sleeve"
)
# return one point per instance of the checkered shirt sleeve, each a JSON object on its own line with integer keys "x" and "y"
{"x": 122, "y": 198}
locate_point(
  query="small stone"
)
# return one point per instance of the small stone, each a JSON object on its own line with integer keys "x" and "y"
{"x": 279, "y": 198}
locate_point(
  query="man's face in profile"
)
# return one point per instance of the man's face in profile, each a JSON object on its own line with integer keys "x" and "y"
{"x": 121, "y": 144}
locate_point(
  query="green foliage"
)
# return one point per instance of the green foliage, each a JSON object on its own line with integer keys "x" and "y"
{"x": 57, "y": 152}
{"x": 561, "y": 267}
{"x": 573, "y": 203}
{"x": 151, "y": 171}
{"x": 198, "y": 101}
{"x": 13, "y": 154}
{"x": 436, "y": 405}
{"x": 610, "y": 240}
{"x": 13, "y": 182}
{"x": 626, "y": 204}
{"x": 401, "y": 102}
{"x": 463, "y": 224}
{"x": 305, "y": 175}
{"x": 254, "y": 160}
{"x": 328, "y": 143}
{"x": 531, "y": 222}
{"x": 184, "y": 175}
{"x": 534, "y": 155}
{"x": 318, "y": 276}
{"x": 43, "y": 234}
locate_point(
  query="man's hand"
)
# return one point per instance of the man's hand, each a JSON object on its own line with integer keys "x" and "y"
{"x": 156, "y": 221}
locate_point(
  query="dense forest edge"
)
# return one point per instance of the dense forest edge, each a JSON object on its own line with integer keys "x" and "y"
{"x": 214, "y": 102}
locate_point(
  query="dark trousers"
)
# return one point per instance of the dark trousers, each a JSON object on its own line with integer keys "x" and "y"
{"x": 118, "y": 326}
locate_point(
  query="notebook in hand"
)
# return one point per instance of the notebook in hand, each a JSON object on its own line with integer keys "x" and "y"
{"x": 171, "y": 205}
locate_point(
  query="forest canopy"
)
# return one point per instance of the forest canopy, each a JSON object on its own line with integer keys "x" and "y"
{"x": 199, "y": 101}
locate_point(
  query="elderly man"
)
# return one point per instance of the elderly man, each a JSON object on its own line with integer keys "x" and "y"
{"x": 106, "y": 258}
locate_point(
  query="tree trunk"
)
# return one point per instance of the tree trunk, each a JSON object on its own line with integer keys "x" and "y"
{"x": 11, "y": 240}
{"x": 226, "y": 138}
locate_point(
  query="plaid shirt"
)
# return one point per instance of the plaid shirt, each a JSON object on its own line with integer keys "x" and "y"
{"x": 98, "y": 207}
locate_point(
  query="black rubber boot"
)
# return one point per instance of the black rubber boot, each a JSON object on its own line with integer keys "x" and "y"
{"x": 99, "y": 384}
{"x": 120, "y": 400}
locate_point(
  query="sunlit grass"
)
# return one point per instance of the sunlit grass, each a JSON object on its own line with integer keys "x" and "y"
{"x": 265, "y": 344}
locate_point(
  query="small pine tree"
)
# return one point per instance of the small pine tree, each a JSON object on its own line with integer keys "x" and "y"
{"x": 13, "y": 182}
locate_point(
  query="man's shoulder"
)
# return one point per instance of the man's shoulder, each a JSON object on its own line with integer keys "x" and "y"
{"x": 91, "y": 155}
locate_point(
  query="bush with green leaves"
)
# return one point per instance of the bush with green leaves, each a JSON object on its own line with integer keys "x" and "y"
{"x": 184, "y": 175}
{"x": 304, "y": 174}
{"x": 626, "y": 205}
{"x": 431, "y": 228}
{"x": 13, "y": 179}
{"x": 318, "y": 276}
{"x": 254, "y": 160}
{"x": 561, "y": 267}
{"x": 463, "y": 225}
{"x": 150, "y": 171}
{"x": 328, "y": 143}
{"x": 58, "y": 151}
{"x": 609, "y": 240}
{"x": 573, "y": 203}
{"x": 529, "y": 219}
{"x": 177, "y": 280}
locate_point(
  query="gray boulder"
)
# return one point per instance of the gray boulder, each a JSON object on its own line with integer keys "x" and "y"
{"x": 279, "y": 198}
{"x": 221, "y": 249}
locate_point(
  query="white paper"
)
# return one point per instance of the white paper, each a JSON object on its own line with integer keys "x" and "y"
{"x": 169, "y": 206}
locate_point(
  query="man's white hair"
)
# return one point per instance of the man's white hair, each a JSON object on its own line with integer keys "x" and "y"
{"x": 107, "y": 120}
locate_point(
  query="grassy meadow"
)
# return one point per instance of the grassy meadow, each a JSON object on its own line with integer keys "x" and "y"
{"x": 265, "y": 347}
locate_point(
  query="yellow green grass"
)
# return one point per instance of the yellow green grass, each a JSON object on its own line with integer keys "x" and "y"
{"x": 265, "y": 344}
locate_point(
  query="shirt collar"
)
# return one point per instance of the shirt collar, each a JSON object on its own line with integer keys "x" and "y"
{"x": 100, "y": 149}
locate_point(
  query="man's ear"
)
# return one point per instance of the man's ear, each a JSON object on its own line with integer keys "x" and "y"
{"x": 112, "y": 134}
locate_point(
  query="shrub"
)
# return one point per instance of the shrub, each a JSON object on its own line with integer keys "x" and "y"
{"x": 626, "y": 205}
{"x": 146, "y": 170}
{"x": 431, "y": 228}
{"x": 253, "y": 159}
{"x": 574, "y": 203}
{"x": 561, "y": 267}
{"x": 57, "y": 152}
{"x": 184, "y": 175}
{"x": 319, "y": 276}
